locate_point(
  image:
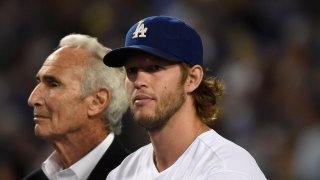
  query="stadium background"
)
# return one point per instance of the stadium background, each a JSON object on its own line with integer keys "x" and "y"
{"x": 266, "y": 51}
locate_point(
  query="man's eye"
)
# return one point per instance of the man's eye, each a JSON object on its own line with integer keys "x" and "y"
{"x": 153, "y": 68}
{"x": 131, "y": 70}
{"x": 52, "y": 83}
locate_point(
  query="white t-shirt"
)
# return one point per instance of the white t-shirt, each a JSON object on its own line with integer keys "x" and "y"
{"x": 209, "y": 157}
{"x": 81, "y": 170}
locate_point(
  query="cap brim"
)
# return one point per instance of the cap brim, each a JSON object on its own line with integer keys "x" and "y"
{"x": 118, "y": 57}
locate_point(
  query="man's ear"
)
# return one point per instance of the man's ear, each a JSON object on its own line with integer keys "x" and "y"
{"x": 98, "y": 102}
{"x": 194, "y": 78}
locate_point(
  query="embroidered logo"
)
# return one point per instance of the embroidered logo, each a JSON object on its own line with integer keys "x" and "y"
{"x": 140, "y": 30}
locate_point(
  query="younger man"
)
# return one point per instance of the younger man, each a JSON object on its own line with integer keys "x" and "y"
{"x": 171, "y": 99}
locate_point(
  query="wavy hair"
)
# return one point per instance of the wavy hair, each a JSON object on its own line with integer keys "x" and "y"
{"x": 207, "y": 97}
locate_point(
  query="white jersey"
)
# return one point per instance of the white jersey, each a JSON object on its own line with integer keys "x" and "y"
{"x": 209, "y": 157}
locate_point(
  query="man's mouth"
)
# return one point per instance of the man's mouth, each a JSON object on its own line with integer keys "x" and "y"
{"x": 37, "y": 117}
{"x": 140, "y": 100}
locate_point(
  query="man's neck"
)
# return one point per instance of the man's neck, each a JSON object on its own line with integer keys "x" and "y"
{"x": 72, "y": 147}
{"x": 171, "y": 142}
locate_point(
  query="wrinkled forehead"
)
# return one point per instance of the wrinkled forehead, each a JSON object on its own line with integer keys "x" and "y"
{"x": 68, "y": 57}
{"x": 65, "y": 63}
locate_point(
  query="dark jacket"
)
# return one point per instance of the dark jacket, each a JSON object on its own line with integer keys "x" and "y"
{"x": 110, "y": 160}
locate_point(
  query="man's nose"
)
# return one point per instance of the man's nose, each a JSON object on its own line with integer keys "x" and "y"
{"x": 36, "y": 97}
{"x": 141, "y": 79}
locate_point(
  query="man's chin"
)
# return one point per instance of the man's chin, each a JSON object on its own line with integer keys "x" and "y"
{"x": 150, "y": 123}
{"x": 42, "y": 133}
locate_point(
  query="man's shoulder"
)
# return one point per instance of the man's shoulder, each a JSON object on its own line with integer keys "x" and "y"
{"x": 142, "y": 152}
{"x": 140, "y": 159}
{"x": 225, "y": 157}
{"x": 110, "y": 160}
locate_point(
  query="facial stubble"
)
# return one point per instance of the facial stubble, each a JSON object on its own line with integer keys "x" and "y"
{"x": 167, "y": 106}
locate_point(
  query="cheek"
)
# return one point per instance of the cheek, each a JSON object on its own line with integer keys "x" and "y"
{"x": 69, "y": 117}
{"x": 66, "y": 107}
{"x": 129, "y": 87}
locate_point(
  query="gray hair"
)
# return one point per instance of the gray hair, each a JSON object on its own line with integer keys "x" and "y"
{"x": 99, "y": 76}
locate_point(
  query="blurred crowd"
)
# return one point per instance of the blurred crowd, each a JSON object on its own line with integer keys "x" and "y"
{"x": 266, "y": 51}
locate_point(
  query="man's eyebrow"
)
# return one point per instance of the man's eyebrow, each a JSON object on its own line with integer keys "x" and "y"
{"x": 47, "y": 78}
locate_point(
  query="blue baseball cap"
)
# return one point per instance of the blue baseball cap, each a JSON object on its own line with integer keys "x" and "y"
{"x": 164, "y": 36}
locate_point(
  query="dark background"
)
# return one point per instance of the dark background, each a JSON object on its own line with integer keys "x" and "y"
{"x": 266, "y": 51}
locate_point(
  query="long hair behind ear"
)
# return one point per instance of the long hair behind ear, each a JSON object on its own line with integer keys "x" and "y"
{"x": 208, "y": 97}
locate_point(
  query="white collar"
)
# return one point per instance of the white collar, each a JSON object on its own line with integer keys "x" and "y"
{"x": 53, "y": 169}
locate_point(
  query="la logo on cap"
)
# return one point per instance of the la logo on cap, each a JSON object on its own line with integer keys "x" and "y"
{"x": 140, "y": 30}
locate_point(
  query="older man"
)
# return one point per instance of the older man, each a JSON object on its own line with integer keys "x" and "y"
{"x": 78, "y": 105}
